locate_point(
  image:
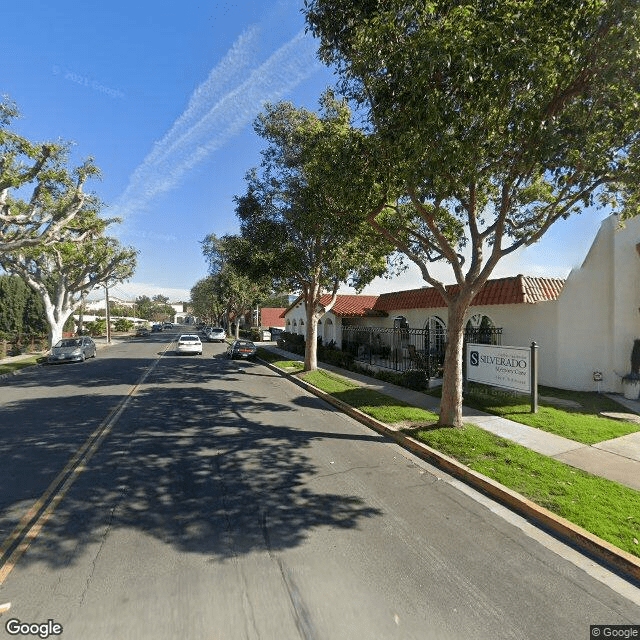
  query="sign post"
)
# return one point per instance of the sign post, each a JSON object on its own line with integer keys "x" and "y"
{"x": 534, "y": 377}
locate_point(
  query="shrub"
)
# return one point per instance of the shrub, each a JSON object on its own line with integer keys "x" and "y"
{"x": 16, "y": 349}
{"x": 635, "y": 358}
{"x": 335, "y": 357}
{"x": 250, "y": 334}
{"x": 123, "y": 324}
{"x": 389, "y": 376}
{"x": 292, "y": 342}
{"x": 414, "y": 379}
{"x": 96, "y": 327}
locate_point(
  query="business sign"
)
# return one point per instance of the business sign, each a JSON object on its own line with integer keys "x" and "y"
{"x": 498, "y": 366}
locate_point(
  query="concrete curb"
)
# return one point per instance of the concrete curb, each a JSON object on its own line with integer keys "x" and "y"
{"x": 607, "y": 553}
{"x": 17, "y": 372}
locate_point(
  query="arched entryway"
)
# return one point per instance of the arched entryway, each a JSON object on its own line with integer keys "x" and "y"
{"x": 327, "y": 331}
{"x": 481, "y": 329}
{"x": 437, "y": 334}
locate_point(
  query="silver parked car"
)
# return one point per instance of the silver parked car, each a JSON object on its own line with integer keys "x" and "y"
{"x": 73, "y": 350}
{"x": 215, "y": 334}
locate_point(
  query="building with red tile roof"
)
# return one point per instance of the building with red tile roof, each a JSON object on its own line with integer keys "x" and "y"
{"x": 272, "y": 317}
{"x": 584, "y": 325}
{"x": 346, "y": 306}
{"x": 514, "y": 290}
{"x": 422, "y": 307}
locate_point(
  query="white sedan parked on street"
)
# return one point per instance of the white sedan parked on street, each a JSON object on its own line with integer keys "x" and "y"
{"x": 189, "y": 343}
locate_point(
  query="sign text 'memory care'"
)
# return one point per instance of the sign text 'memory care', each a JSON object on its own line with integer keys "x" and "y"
{"x": 499, "y": 366}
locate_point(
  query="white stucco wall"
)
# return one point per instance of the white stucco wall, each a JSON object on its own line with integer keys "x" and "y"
{"x": 585, "y": 314}
{"x": 523, "y": 324}
{"x": 329, "y": 326}
{"x": 626, "y": 294}
{"x": 294, "y": 317}
{"x": 296, "y": 320}
{"x": 598, "y": 316}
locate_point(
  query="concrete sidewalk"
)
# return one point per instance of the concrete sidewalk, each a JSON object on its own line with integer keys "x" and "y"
{"x": 617, "y": 459}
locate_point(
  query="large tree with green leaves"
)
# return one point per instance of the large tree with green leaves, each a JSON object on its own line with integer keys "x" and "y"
{"x": 239, "y": 288}
{"x": 21, "y": 310}
{"x": 54, "y": 193}
{"x": 64, "y": 273}
{"x": 154, "y": 309}
{"x": 294, "y": 217}
{"x": 493, "y": 120}
{"x": 207, "y": 300}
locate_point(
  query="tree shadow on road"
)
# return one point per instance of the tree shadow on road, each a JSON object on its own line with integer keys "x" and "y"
{"x": 205, "y": 469}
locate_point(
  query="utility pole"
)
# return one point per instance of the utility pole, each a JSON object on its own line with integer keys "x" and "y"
{"x": 106, "y": 299}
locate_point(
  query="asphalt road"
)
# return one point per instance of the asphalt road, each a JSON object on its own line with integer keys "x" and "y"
{"x": 222, "y": 501}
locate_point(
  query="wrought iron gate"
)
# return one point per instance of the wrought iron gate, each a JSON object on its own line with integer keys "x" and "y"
{"x": 405, "y": 348}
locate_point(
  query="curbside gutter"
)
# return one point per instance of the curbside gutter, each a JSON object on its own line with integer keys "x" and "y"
{"x": 17, "y": 372}
{"x": 624, "y": 563}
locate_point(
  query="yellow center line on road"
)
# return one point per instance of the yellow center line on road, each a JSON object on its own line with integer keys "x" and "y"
{"x": 31, "y": 523}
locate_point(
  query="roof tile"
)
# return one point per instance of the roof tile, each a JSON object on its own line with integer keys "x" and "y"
{"x": 271, "y": 316}
{"x": 514, "y": 290}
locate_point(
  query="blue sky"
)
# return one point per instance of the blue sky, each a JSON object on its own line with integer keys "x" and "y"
{"x": 163, "y": 96}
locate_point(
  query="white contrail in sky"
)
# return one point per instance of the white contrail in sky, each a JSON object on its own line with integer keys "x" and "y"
{"x": 222, "y": 79}
{"x": 230, "y": 98}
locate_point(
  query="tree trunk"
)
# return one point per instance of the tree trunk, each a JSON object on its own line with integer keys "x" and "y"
{"x": 56, "y": 319}
{"x": 451, "y": 403}
{"x": 55, "y": 331}
{"x": 311, "y": 336}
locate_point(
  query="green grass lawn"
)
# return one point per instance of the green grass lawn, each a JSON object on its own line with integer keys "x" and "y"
{"x": 290, "y": 366}
{"x": 582, "y": 424}
{"x": 379, "y": 406}
{"x": 605, "y": 508}
{"x": 10, "y": 367}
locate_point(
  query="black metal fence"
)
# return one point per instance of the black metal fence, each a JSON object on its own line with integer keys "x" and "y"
{"x": 404, "y": 348}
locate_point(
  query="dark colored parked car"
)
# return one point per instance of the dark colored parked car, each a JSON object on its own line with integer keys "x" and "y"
{"x": 241, "y": 349}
